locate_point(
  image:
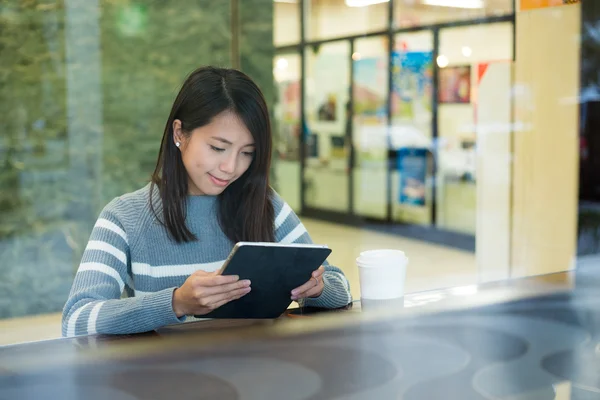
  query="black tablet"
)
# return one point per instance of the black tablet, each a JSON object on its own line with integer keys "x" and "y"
{"x": 274, "y": 270}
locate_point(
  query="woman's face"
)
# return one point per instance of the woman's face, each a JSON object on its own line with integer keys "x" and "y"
{"x": 215, "y": 155}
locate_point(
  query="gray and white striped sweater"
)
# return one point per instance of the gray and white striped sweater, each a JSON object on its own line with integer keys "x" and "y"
{"x": 131, "y": 267}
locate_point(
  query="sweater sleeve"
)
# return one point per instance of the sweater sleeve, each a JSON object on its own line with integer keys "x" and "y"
{"x": 95, "y": 304}
{"x": 289, "y": 229}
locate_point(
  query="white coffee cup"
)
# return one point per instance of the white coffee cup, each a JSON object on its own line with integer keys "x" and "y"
{"x": 382, "y": 274}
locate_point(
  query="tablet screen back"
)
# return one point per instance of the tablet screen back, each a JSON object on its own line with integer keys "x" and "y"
{"x": 274, "y": 270}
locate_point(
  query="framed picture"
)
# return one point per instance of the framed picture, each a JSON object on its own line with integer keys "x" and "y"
{"x": 455, "y": 85}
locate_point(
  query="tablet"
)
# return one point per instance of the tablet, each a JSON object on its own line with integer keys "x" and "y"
{"x": 274, "y": 270}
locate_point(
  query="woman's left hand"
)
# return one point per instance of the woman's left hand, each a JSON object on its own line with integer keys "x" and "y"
{"x": 312, "y": 288}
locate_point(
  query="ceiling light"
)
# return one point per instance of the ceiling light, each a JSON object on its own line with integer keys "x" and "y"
{"x": 455, "y": 3}
{"x": 466, "y": 51}
{"x": 282, "y": 63}
{"x": 364, "y": 3}
{"x": 442, "y": 61}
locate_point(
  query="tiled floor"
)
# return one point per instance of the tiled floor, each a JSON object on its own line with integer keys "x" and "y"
{"x": 430, "y": 267}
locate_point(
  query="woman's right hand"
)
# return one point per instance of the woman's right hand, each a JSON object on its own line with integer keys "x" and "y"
{"x": 204, "y": 292}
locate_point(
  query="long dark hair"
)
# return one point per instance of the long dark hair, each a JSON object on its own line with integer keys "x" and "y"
{"x": 245, "y": 207}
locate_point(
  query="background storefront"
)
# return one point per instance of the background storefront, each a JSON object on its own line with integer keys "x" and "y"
{"x": 381, "y": 107}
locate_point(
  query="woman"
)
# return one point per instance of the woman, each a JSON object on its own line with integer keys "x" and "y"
{"x": 163, "y": 244}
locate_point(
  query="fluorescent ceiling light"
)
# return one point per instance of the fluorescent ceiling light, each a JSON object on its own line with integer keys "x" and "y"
{"x": 364, "y": 3}
{"x": 286, "y": 1}
{"x": 455, "y": 3}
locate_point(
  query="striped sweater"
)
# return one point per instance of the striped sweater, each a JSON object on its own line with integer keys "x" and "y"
{"x": 131, "y": 267}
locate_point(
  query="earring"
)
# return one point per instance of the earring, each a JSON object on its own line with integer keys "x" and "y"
{"x": 177, "y": 144}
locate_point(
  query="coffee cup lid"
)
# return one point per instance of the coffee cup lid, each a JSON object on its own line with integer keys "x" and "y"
{"x": 380, "y": 257}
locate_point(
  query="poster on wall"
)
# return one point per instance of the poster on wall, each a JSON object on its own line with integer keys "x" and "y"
{"x": 412, "y": 168}
{"x": 289, "y": 92}
{"x": 328, "y": 92}
{"x": 370, "y": 111}
{"x": 288, "y": 142}
{"x": 533, "y": 4}
{"x": 412, "y": 89}
{"x": 455, "y": 85}
{"x": 369, "y": 90}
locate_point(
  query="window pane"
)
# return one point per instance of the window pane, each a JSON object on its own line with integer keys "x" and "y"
{"x": 336, "y": 18}
{"x": 475, "y": 69}
{"x": 370, "y": 91}
{"x": 409, "y": 13}
{"x": 327, "y": 86}
{"x": 287, "y": 128}
{"x": 410, "y": 136}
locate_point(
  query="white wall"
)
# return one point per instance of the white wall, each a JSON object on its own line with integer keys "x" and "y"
{"x": 415, "y": 41}
{"x": 487, "y": 42}
{"x": 332, "y": 18}
{"x": 286, "y": 23}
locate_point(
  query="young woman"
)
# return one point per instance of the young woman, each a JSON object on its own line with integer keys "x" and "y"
{"x": 163, "y": 244}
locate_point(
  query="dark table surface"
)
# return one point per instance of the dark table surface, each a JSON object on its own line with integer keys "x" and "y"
{"x": 524, "y": 339}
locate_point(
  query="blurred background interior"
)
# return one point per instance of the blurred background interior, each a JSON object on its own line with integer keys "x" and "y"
{"x": 459, "y": 131}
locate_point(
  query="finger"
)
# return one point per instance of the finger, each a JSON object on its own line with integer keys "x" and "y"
{"x": 212, "y": 301}
{"x": 206, "y": 291}
{"x": 307, "y": 286}
{"x": 218, "y": 280}
{"x": 312, "y": 283}
{"x": 220, "y": 301}
{"x": 314, "y": 292}
{"x": 225, "y": 301}
{"x": 315, "y": 277}
{"x": 318, "y": 272}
